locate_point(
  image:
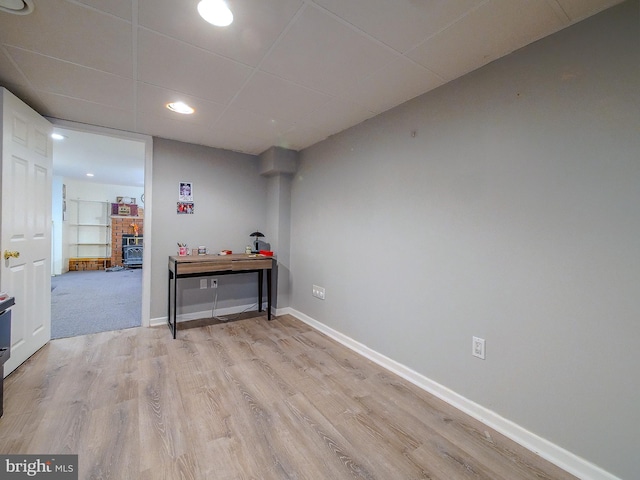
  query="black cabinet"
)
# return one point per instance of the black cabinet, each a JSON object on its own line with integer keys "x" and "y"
{"x": 5, "y": 342}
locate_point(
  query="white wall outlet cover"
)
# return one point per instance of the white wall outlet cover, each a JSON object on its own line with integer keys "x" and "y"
{"x": 317, "y": 292}
{"x": 478, "y": 347}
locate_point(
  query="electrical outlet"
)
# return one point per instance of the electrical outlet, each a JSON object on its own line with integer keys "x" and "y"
{"x": 318, "y": 292}
{"x": 478, "y": 348}
{"x": 214, "y": 283}
{"x": 203, "y": 283}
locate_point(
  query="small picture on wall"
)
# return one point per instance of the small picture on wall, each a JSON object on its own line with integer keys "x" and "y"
{"x": 185, "y": 208}
{"x": 186, "y": 192}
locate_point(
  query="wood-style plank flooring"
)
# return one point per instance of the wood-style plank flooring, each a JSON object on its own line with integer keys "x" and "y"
{"x": 248, "y": 399}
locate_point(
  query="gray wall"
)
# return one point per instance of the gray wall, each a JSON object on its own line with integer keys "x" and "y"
{"x": 513, "y": 215}
{"x": 230, "y": 203}
{"x": 279, "y": 222}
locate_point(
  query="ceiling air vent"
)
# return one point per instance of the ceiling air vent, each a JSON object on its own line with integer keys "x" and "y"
{"x": 19, "y": 7}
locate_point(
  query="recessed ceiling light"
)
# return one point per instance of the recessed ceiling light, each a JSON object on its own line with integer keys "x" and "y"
{"x": 215, "y": 12}
{"x": 180, "y": 107}
{"x": 18, "y": 7}
{"x": 89, "y": 174}
{"x": 57, "y": 136}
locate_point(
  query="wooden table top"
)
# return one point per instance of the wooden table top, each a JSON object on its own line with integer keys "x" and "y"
{"x": 216, "y": 263}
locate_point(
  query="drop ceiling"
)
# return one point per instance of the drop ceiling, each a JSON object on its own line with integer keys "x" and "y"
{"x": 286, "y": 72}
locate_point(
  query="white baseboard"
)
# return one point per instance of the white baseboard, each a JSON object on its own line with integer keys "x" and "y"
{"x": 283, "y": 311}
{"x": 220, "y": 312}
{"x": 551, "y": 452}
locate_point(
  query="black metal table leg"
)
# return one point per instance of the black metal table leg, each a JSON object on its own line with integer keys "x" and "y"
{"x": 260, "y": 277}
{"x": 175, "y": 304}
{"x": 269, "y": 294}
{"x": 169, "y": 300}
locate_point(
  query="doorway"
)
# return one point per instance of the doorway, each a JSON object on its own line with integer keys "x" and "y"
{"x": 98, "y": 195}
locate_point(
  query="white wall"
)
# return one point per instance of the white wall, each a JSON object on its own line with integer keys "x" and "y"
{"x": 513, "y": 215}
{"x": 101, "y": 192}
{"x": 57, "y": 246}
{"x": 79, "y": 190}
{"x": 230, "y": 203}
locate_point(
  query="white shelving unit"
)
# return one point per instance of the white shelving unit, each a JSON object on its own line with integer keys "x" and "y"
{"x": 90, "y": 228}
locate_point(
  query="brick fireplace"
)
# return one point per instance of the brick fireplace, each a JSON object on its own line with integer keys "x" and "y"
{"x": 121, "y": 226}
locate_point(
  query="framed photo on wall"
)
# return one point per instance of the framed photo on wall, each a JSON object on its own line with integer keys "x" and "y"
{"x": 185, "y": 208}
{"x": 185, "y": 193}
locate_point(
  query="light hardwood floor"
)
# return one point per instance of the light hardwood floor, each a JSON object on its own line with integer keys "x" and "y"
{"x": 249, "y": 399}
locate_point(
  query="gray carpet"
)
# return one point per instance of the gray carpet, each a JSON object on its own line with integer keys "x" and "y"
{"x": 95, "y": 301}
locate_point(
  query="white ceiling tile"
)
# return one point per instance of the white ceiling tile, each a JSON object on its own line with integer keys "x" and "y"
{"x": 153, "y": 100}
{"x": 401, "y": 24}
{"x": 579, "y": 9}
{"x": 241, "y": 143}
{"x": 181, "y": 67}
{"x": 224, "y": 136}
{"x": 274, "y": 97}
{"x": 394, "y": 84}
{"x": 119, "y": 8}
{"x": 301, "y": 137}
{"x": 174, "y": 129}
{"x": 74, "y": 33}
{"x": 324, "y": 54}
{"x": 237, "y": 142}
{"x": 27, "y": 94}
{"x": 67, "y": 108}
{"x": 73, "y": 80}
{"x": 335, "y": 116}
{"x": 256, "y": 25}
{"x": 255, "y": 124}
{"x": 495, "y": 29}
{"x": 8, "y": 72}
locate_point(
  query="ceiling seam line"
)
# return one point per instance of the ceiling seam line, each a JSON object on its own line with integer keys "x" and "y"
{"x": 22, "y": 74}
{"x": 197, "y": 47}
{"x": 134, "y": 62}
{"x": 63, "y": 95}
{"x": 449, "y": 25}
{"x": 379, "y": 42}
{"x": 256, "y": 69}
{"x": 68, "y": 62}
{"x": 97, "y": 10}
{"x": 559, "y": 9}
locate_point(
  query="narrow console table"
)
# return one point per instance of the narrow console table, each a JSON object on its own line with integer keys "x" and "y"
{"x": 212, "y": 266}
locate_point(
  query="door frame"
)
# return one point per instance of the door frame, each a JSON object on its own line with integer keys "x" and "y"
{"x": 148, "y": 166}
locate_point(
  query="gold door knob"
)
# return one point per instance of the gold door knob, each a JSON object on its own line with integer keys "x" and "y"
{"x": 8, "y": 254}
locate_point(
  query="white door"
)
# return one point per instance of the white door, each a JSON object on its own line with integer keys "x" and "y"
{"x": 25, "y": 226}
